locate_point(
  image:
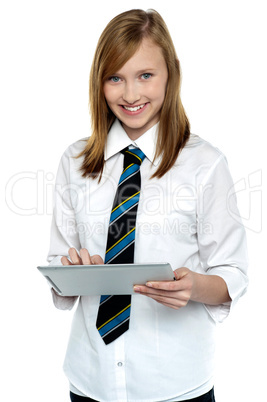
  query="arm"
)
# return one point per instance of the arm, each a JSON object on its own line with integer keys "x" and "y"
{"x": 189, "y": 285}
{"x": 221, "y": 278}
{"x": 64, "y": 234}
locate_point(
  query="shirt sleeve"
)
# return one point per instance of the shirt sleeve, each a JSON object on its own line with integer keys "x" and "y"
{"x": 221, "y": 235}
{"x": 63, "y": 229}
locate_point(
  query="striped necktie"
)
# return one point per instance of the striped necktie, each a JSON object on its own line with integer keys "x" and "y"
{"x": 114, "y": 311}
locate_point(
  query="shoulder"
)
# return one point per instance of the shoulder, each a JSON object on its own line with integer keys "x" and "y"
{"x": 69, "y": 161}
{"x": 199, "y": 158}
{"x": 199, "y": 152}
{"x": 75, "y": 148}
{"x": 201, "y": 149}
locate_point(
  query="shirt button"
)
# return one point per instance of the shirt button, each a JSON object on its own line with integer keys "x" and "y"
{"x": 119, "y": 364}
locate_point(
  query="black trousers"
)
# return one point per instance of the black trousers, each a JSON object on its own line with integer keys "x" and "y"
{"x": 208, "y": 397}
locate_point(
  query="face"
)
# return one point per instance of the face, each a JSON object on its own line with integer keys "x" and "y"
{"x": 136, "y": 92}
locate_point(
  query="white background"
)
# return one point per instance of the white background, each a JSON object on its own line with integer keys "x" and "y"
{"x": 46, "y": 52}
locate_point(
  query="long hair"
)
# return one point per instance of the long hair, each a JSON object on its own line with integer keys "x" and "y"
{"x": 118, "y": 43}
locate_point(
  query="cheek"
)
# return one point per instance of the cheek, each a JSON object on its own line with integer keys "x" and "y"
{"x": 109, "y": 93}
{"x": 158, "y": 95}
{"x": 158, "y": 91}
{"x": 106, "y": 93}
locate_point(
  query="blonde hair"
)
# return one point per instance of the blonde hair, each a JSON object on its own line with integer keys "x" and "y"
{"x": 119, "y": 41}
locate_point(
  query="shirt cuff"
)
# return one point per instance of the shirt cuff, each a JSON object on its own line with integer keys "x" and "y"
{"x": 236, "y": 282}
{"x": 61, "y": 302}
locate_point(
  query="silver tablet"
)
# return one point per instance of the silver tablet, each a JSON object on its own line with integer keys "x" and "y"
{"x": 110, "y": 279}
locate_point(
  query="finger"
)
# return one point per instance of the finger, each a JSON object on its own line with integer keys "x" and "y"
{"x": 172, "y": 286}
{"x": 74, "y": 256}
{"x": 171, "y": 306}
{"x": 65, "y": 261}
{"x": 97, "y": 260}
{"x": 182, "y": 281}
{"x": 168, "y": 301}
{"x": 154, "y": 292}
{"x": 181, "y": 296}
{"x": 85, "y": 256}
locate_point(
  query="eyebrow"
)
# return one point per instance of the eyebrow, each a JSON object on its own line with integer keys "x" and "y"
{"x": 143, "y": 70}
{"x": 146, "y": 69}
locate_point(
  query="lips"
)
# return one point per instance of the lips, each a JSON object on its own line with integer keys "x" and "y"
{"x": 133, "y": 110}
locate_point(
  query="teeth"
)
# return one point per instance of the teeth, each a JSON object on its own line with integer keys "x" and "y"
{"x": 134, "y": 109}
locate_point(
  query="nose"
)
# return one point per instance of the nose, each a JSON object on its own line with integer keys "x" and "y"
{"x": 131, "y": 93}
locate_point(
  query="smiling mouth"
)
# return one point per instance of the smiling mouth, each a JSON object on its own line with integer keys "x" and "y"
{"x": 133, "y": 109}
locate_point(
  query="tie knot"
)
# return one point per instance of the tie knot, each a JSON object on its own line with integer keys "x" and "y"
{"x": 134, "y": 155}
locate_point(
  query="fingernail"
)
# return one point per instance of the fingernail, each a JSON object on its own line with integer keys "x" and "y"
{"x": 149, "y": 284}
{"x": 137, "y": 289}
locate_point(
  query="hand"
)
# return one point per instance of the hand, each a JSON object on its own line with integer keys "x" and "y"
{"x": 174, "y": 294}
{"x": 83, "y": 259}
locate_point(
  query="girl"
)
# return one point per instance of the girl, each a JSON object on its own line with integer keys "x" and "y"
{"x": 181, "y": 211}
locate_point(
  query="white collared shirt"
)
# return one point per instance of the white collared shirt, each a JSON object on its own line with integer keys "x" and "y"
{"x": 188, "y": 218}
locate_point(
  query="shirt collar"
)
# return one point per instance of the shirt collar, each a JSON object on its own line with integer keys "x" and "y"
{"x": 118, "y": 139}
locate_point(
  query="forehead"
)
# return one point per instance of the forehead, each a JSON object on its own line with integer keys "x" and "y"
{"x": 148, "y": 55}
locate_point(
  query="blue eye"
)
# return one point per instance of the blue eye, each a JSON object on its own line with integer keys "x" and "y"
{"x": 115, "y": 79}
{"x": 146, "y": 76}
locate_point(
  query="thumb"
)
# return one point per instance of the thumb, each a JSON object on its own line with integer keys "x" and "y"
{"x": 180, "y": 273}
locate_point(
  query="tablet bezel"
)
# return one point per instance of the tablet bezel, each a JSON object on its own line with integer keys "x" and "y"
{"x": 85, "y": 280}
